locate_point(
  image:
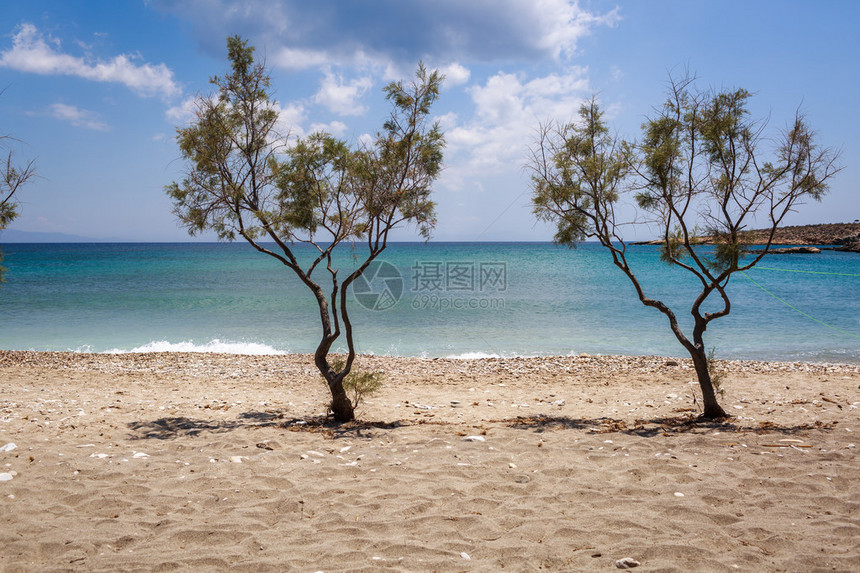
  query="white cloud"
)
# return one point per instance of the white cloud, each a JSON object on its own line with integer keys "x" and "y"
{"x": 298, "y": 34}
{"x": 559, "y": 24}
{"x": 499, "y": 100}
{"x": 335, "y": 128}
{"x": 299, "y": 59}
{"x": 342, "y": 97}
{"x": 34, "y": 53}
{"x": 183, "y": 113}
{"x": 508, "y": 110}
{"x": 455, "y": 74}
{"x": 365, "y": 140}
{"x": 78, "y": 117}
{"x": 290, "y": 120}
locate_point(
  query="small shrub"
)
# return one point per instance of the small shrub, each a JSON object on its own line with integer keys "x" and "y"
{"x": 359, "y": 385}
{"x": 718, "y": 375}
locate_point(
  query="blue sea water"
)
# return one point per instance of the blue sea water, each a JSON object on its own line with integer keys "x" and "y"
{"x": 434, "y": 299}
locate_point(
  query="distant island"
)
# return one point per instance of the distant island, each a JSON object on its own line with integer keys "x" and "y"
{"x": 15, "y": 236}
{"x": 839, "y": 236}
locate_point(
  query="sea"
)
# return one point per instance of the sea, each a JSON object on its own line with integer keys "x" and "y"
{"x": 436, "y": 299}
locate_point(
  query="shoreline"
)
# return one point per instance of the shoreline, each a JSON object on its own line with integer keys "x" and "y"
{"x": 822, "y": 234}
{"x": 210, "y": 462}
{"x": 135, "y": 361}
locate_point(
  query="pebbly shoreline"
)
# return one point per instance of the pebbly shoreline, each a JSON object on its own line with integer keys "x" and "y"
{"x": 276, "y": 366}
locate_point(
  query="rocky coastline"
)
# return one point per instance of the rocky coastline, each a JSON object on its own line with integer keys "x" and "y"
{"x": 828, "y": 236}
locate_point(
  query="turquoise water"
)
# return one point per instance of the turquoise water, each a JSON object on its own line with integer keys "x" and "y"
{"x": 452, "y": 299}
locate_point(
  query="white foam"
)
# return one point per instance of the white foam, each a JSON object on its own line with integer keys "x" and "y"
{"x": 480, "y": 355}
{"x": 213, "y": 346}
{"x": 474, "y": 356}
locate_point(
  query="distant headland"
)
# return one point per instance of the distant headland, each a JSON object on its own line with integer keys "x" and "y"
{"x": 838, "y": 236}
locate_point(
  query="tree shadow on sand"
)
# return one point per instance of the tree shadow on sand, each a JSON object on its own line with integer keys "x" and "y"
{"x": 175, "y": 427}
{"x": 657, "y": 426}
{"x": 181, "y": 426}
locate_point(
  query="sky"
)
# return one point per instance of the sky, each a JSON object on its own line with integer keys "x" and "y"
{"x": 93, "y": 90}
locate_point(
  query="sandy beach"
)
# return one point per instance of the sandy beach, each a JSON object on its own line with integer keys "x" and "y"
{"x": 162, "y": 462}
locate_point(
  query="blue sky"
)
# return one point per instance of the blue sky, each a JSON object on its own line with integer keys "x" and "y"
{"x": 95, "y": 89}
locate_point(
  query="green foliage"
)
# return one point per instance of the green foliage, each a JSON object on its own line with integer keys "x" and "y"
{"x": 315, "y": 174}
{"x": 672, "y": 248}
{"x": 359, "y": 385}
{"x": 578, "y": 169}
{"x": 8, "y": 213}
{"x": 229, "y": 147}
{"x": 12, "y": 178}
{"x": 727, "y": 252}
{"x": 701, "y": 162}
{"x": 660, "y": 151}
{"x": 407, "y": 156}
{"x": 245, "y": 179}
{"x": 716, "y": 372}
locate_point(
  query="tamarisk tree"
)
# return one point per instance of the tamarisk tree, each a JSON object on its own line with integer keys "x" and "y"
{"x": 246, "y": 180}
{"x": 701, "y": 170}
{"x": 13, "y": 176}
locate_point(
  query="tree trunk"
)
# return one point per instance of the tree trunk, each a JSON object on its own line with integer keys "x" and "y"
{"x": 712, "y": 408}
{"x": 341, "y": 407}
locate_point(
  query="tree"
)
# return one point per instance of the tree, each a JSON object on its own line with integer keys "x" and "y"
{"x": 12, "y": 178}
{"x": 701, "y": 170}
{"x": 246, "y": 180}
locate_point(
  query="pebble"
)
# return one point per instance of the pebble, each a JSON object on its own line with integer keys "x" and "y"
{"x": 465, "y": 556}
{"x": 140, "y": 455}
{"x": 5, "y": 476}
{"x": 627, "y": 563}
{"x": 8, "y": 447}
{"x": 679, "y": 494}
{"x": 236, "y": 459}
{"x": 474, "y": 439}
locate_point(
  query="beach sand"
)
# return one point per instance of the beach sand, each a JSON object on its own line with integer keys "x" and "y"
{"x": 161, "y": 462}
